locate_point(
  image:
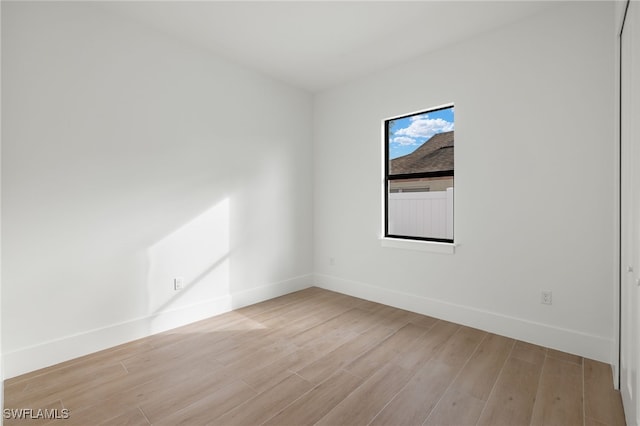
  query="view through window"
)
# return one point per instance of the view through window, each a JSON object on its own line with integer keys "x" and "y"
{"x": 419, "y": 171}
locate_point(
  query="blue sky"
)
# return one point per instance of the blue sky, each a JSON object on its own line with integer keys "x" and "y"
{"x": 407, "y": 134}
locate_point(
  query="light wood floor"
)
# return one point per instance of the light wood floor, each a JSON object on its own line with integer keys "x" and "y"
{"x": 318, "y": 357}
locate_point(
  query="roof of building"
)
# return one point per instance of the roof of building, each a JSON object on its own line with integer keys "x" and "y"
{"x": 435, "y": 155}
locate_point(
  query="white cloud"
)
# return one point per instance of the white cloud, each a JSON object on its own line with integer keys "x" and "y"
{"x": 424, "y": 127}
{"x": 403, "y": 140}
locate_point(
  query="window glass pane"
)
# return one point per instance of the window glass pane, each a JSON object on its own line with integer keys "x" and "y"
{"x": 420, "y": 172}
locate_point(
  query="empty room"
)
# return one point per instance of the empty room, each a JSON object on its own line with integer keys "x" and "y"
{"x": 320, "y": 212}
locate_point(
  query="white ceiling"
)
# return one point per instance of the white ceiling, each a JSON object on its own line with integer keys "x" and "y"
{"x": 318, "y": 44}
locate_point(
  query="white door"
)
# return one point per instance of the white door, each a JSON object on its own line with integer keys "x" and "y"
{"x": 630, "y": 214}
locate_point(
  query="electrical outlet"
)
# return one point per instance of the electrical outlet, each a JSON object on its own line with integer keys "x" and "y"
{"x": 546, "y": 297}
{"x": 178, "y": 283}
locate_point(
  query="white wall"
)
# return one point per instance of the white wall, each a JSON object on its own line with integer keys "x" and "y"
{"x": 534, "y": 182}
{"x": 130, "y": 158}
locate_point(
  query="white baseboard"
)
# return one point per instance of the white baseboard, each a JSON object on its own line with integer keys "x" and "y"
{"x": 566, "y": 340}
{"x": 55, "y": 351}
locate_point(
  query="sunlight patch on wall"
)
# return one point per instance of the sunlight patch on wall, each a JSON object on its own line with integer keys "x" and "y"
{"x": 197, "y": 252}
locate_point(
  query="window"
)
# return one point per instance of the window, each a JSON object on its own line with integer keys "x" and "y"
{"x": 419, "y": 170}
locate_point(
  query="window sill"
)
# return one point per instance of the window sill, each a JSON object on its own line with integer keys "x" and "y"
{"x": 430, "y": 246}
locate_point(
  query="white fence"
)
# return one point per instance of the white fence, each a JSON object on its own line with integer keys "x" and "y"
{"x": 421, "y": 214}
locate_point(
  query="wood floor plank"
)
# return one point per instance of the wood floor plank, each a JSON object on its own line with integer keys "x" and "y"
{"x": 352, "y": 320}
{"x": 121, "y": 395}
{"x": 457, "y": 350}
{"x": 220, "y": 343}
{"x": 413, "y": 404}
{"x": 366, "y": 305}
{"x": 481, "y": 372}
{"x": 564, "y": 356}
{"x": 422, "y": 320}
{"x": 511, "y": 402}
{"x": 425, "y": 346}
{"x": 457, "y": 408}
{"x": 312, "y": 406}
{"x": 54, "y": 385}
{"x": 392, "y": 317}
{"x": 287, "y": 326}
{"x": 165, "y": 357}
{"x": 602, "y": 403}
{"x": 559, "y": 397}
{"x": 265, "y": 354}
{"x": 213, "y": 404}
{"x": 262, "y": 407}
{"x": 314, "y": 350}
{"x": 533, "y": 354}
{"x": 133, "y": 417}
{"x": 171, "y": 373}
{"x": 264, "y": 375}
{"x": 322, "y": 368}
{"x": 169, "y": 398}
{"x": 223, "y": 335}
{"x": 463, "y": 403}
{"x": 588, "y": 421}
{"x": 377, "y": 357}
{"x": 364, "y": 403}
